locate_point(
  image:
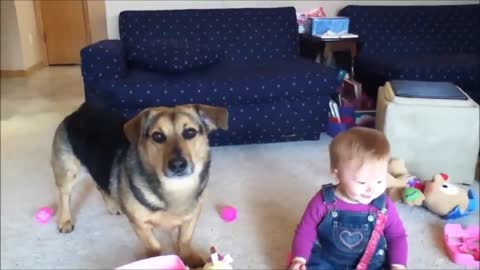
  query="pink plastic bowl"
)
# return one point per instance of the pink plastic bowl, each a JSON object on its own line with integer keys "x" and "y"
{"x": 168, "y": 262}
{"x": 462, "y": 245}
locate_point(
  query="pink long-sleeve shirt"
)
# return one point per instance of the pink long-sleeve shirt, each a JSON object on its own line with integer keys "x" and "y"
{"x": 306, "y": 233}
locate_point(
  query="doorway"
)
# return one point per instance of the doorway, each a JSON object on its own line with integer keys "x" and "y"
{"x": 65, "y": 30}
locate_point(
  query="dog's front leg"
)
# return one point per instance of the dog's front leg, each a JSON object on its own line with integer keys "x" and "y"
{"x": 185, "y": 233}
{"x": 145, "y": 233}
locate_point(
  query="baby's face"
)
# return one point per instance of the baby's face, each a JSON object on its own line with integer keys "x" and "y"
{"x": 366, "y": 183}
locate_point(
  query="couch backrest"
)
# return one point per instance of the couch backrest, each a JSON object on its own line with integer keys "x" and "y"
{"x": 240, "y": 35}
{"x": 415, "y": 30}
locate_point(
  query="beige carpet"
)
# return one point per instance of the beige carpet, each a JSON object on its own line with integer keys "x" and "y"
{"x": 269, "y": 184}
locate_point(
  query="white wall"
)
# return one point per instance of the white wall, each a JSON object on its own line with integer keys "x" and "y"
{"x": 97, "y": 21}
{"x": 29, "y": 36}
{"x": 20, "y": 39}
{"x": 11, "y": 52}
{"x": 113, "y": 8}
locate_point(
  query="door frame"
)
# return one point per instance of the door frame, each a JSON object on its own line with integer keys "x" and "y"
{"x": 41, "y": 28}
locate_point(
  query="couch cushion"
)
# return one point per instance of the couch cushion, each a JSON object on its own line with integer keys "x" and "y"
{"x": 461, "y": 69}
{"x": 173, "y": 55}
{"x": 301, "y": 119}
{"x": 242, "y": 35}
{"x": 223, "y": 84}
{"x": 403, "y": 30}
{"x": 427, "y": 64}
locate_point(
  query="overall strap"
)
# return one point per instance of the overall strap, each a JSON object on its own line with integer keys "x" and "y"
{"x": 328, "y": 193}
{"x": 373, "y": 242}
{"x": 377, "y": 233}
{"x": 380, "y": 203}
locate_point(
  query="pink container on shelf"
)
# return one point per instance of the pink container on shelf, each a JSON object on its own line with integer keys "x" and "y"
{"x": 463, "y": 244}
{"x": 168, "y": 262}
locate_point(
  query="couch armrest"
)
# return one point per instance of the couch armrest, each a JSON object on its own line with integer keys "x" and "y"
{"x": 104, "y": 60}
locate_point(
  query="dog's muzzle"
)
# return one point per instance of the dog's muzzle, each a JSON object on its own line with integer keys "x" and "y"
{"x": 178, "y": 167}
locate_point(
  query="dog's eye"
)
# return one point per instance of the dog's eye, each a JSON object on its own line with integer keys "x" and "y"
{"x": 158, "y": 137}
{"x": 189, "y": 133}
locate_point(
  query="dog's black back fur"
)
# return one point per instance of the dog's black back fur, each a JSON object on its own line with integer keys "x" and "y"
{"x": 96, "y": 136}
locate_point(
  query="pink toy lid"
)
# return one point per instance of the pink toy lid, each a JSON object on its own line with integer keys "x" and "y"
{"x": 463, "y": 245}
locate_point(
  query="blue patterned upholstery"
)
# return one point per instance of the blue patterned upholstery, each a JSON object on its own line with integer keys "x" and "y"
{"x": 107, "y": 57}
{"x": 244, "y": 35}
{"x": 271, "y": 93}
{"x": 435, "y": 43}
{"x": 175, "y": 55}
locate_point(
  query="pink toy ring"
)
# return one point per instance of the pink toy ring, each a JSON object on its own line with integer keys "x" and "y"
{"x": 44, "y": 215}
{"x": 228, "y": 213}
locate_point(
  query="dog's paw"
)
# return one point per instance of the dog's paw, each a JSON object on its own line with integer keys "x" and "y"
{"x": 66, "y": 226}
{"x": 193, "y": 260}
{"x": 114, "y": 211}
{"x": 113, "y": 208}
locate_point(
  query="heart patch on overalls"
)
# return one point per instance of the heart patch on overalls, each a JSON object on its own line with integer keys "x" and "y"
{"x": 351, "y": 239}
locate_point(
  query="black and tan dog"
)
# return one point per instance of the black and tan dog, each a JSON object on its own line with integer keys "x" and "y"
{"x": 154, "y": 168}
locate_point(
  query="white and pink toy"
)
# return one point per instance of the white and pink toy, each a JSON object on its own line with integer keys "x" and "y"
{"x": 218, "y": 262}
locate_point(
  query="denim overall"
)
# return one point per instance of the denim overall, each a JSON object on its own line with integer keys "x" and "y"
{"x": 343, "y": 237}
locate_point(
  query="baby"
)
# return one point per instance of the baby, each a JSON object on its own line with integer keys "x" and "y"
{"x": 338, "y": 222}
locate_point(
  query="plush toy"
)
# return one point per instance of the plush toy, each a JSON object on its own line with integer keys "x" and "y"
{"x": 398, "y": 179}
{"x": 217, "y": 261}
{"x": 447, "y": 200}
{"x": 413, "y": 196}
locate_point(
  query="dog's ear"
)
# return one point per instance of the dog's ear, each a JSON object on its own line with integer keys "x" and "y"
{"x": 133, "y": 128}
{"x": 212, "y": 117}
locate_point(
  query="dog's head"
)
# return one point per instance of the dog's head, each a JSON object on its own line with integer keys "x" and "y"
{"x": 174, "y": 140}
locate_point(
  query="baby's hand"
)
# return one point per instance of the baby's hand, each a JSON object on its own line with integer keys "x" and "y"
{"x": 398, "y": 267}
{"x": 298, "y": 264}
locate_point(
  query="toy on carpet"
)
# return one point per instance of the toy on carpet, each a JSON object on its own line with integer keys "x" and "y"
{"x": 446, "y": 200}
{"x": 413, "y": 196}
{"x": 289, "y": 259}
{"x": 399, "y": 178}
{"x": 44, "y": 215}
{"x": 228, "y": 213}
{"x": 463, "y": 246}
{"x": 170, "y": 262}
{"x": 218, "y": 261}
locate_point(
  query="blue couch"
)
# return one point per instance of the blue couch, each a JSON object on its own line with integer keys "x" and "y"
{"x": 432, "y": 43}
{"x": 244, "y": 59}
